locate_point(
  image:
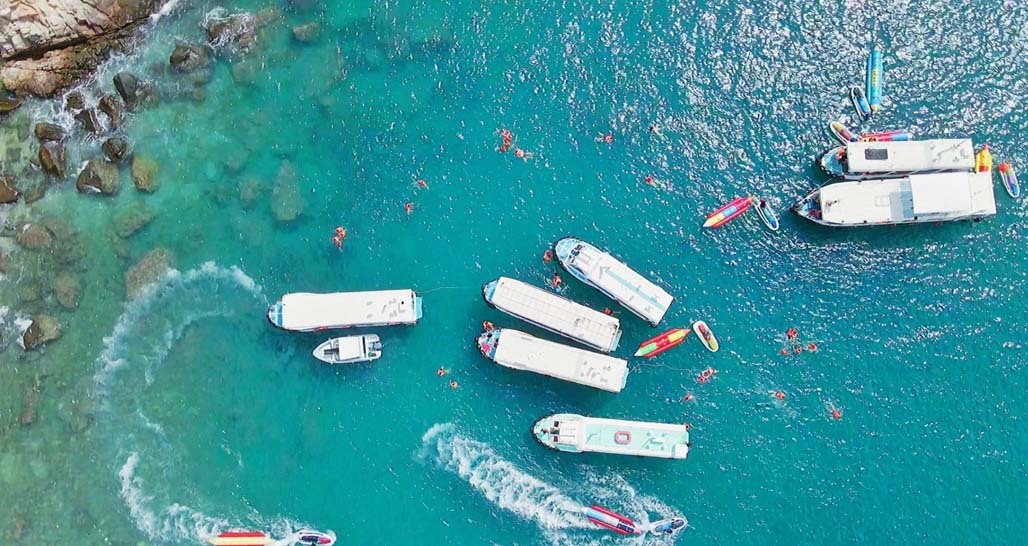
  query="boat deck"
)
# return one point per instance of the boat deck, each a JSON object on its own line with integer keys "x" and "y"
{"x": 304, "y": 311}
{"x": 915, "y": 198}
{"x": 910, "y": 156}
{"x": 614, "y": 278}
{"x": 552, "y": 312}
{"x": 517, "y": 350}
{"x": 571, "y": 432}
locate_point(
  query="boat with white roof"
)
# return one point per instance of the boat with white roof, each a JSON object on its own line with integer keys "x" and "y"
{"x": 860, "y": 160}
{"x": 308, "y": 312}
{"x": 349, "y": 349}
{"x": 520, "y": 351}
{"x": 614, "y": 278}
{"x": 916, "y": 198}
{"x": 554, "y": 313}
{"x": 577, "y": 434}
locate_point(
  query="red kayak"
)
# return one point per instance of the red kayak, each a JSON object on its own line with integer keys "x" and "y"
{"x": 729, "y": 212}
{"x": 653, "y": 347}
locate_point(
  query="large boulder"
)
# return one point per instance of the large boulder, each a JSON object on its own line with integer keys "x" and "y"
{"x": 89, "y": 121}
{"x": 68, "y": 289}
{"x": 136, "y": 93}
{"x": 74, "y": 101}
{"x": 286, "y": 201}
{"x": 307, "y": 33}
{"x": 34, "y": 236}
{"x": 113, "y": 108}
{"x": 116, "y": 148}
{"x": 52, "y": 159}
{"x": 128, "y": 221}
{"x": 9, "y": 104}
{"x": 50, "y": 44}
{"x": 144, "y": 173}
{"x": 98, "y": 176}
{"x": 46, "y": 132}
{"x": 150, "y": 269}
{"x": 236, "y": 33}
{"x": 41, "y": 331}
{"x": 189, "y": 58}
{"x": 8, "y": 193}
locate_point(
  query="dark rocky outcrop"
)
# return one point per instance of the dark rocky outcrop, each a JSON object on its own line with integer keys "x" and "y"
{"x": 52, "y": 159}
{"x": 189, "y": 58}
{"x": 116, "y": 148}
{"x": 43, "y": 330}
{"x": 8, "y": 104}
{"x": 68, "y": 290}
{"x": 74, "y": 101}
{"x": 99, "y": 176}
{"x": 89, "y": 121}
{"x": 48, "y": 132}
{"x": 136, "y": 93}
{"x": 113, "y": 108}
{"x": 8, "y": 193}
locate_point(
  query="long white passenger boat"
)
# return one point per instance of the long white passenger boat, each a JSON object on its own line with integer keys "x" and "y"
{"x": 916, "y": 198}
{"x": 614, "y": 278}
{"x": 307, "y": 312}
{"x": 519, "y": 351}
{"x": 577, "y": 434}
{"x": 554, "y": 313}
{"x": 860, "y": 160}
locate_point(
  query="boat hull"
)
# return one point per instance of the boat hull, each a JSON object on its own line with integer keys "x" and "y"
{"x": 371, "y": 350}
{"x": 611, "y": 521}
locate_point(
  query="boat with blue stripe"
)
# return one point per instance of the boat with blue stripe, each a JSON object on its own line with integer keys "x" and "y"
{"x": 613, "y": 278}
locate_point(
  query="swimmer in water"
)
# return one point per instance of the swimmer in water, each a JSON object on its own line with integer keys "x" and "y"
{"x": 791, "y": 333}
{"x": 812, "y": 347}
{"x": 338, "y": 241}
{"x": 409, "y": 207}
{"x": 649, "y": 180}
{"x": 608, "y": 311}
{"x": 798, "y": 350}
{"x": 656, "y": 130}
{"x": 780, "y": 395}
{"x": 687, "y": 397}
{"x": 557, "y": 281}
{"x": 421, "y": 183}
{"x": 547, "y": 256}
{"x": 453, "y": 385}
{"x": 488, "y": 325}
{"x": 441, "y": 371}
{"x": 785, "y": 352}
{"x": 518, "y": 152}
{"x": 605, "y": 138}
{"x": 836, "y": 414}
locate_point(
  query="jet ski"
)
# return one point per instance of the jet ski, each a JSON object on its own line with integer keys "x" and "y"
{"x": 668, "y": 527}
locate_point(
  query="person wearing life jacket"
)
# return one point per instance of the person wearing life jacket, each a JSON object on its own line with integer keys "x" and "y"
{"x": 488, "y": 325}
{"x": 409, "y": 207}
{"x": 440, "y": 372}
{"x": 453, "y": 384}
{"x": 422, "y": 184}
{"x": 557, "y": 281}
{"x": 547, "y": 256}
{"x": 791, "y": 333}
{"x": 780, "y": 395}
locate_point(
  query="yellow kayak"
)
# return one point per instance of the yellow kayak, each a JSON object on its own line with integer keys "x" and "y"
{"x": 983, "y": 160}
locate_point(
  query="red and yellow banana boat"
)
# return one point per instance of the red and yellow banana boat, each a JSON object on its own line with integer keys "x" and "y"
{"x": 653, "y": 347}
{"x": 729, "y": 212}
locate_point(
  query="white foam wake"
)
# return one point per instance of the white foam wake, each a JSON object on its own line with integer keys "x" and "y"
{"x": 500, "y": 481}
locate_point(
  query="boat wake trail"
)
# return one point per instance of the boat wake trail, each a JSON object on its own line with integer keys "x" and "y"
{"x": 142, "y": 339}
{"x": 557, "y": 513}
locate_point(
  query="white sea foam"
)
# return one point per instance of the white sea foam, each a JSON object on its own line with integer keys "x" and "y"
{"x": 165, "y": 10}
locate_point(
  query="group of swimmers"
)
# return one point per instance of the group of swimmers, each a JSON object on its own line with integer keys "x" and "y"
{"x": 508, "y": 140}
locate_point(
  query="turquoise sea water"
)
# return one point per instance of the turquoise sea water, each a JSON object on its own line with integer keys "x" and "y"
{"x": 182, "y": 412}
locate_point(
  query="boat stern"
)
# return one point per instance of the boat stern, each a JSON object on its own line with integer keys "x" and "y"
{"x": 487, "y": 343}
{"x": 831, "y": 162}
{"x": 275, "y": 314}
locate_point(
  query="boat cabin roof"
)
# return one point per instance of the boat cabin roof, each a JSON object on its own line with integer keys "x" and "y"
{"x": 350, "y": 348}
{"x": 307, "y": 311}
{"x": 519, "y": 350}
{"x": 924, "y": 197}
{"x": 910, "y": 156}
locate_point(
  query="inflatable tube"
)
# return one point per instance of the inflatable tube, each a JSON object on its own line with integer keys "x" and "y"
{"x": 983, "y": 160}
{"x": 728, "y": 212}
{"x": 887, "y": 136}
{"x": 654, "y": 346}
{"x": 241, "y": 538}
{"x": 875, "y": 75}
{"x": 611, "y": 520}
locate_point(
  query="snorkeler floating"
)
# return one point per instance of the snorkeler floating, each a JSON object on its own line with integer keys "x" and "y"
{"x": 337, "y": 239}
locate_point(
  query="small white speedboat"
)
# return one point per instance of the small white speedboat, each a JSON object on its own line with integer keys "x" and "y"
{"x": 349, "y": 349}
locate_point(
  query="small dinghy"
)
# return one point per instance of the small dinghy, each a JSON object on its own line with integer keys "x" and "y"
{"x": 728, "y": 212}
{"x": 841, "y": 133}
{"x": 350, "y": 349}
{"x": 1006, "y": 172}
{"x": 705, "y": 335}
{"x": 767, "y": 215}
{"x": 668, "y": 527}
{"x": 860, "y": 103}
{"x": 308, "y": 537}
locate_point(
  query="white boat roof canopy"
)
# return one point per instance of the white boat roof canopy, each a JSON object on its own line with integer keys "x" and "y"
{"x": 940, "y": 193}
{"x": 910, "y": 156}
